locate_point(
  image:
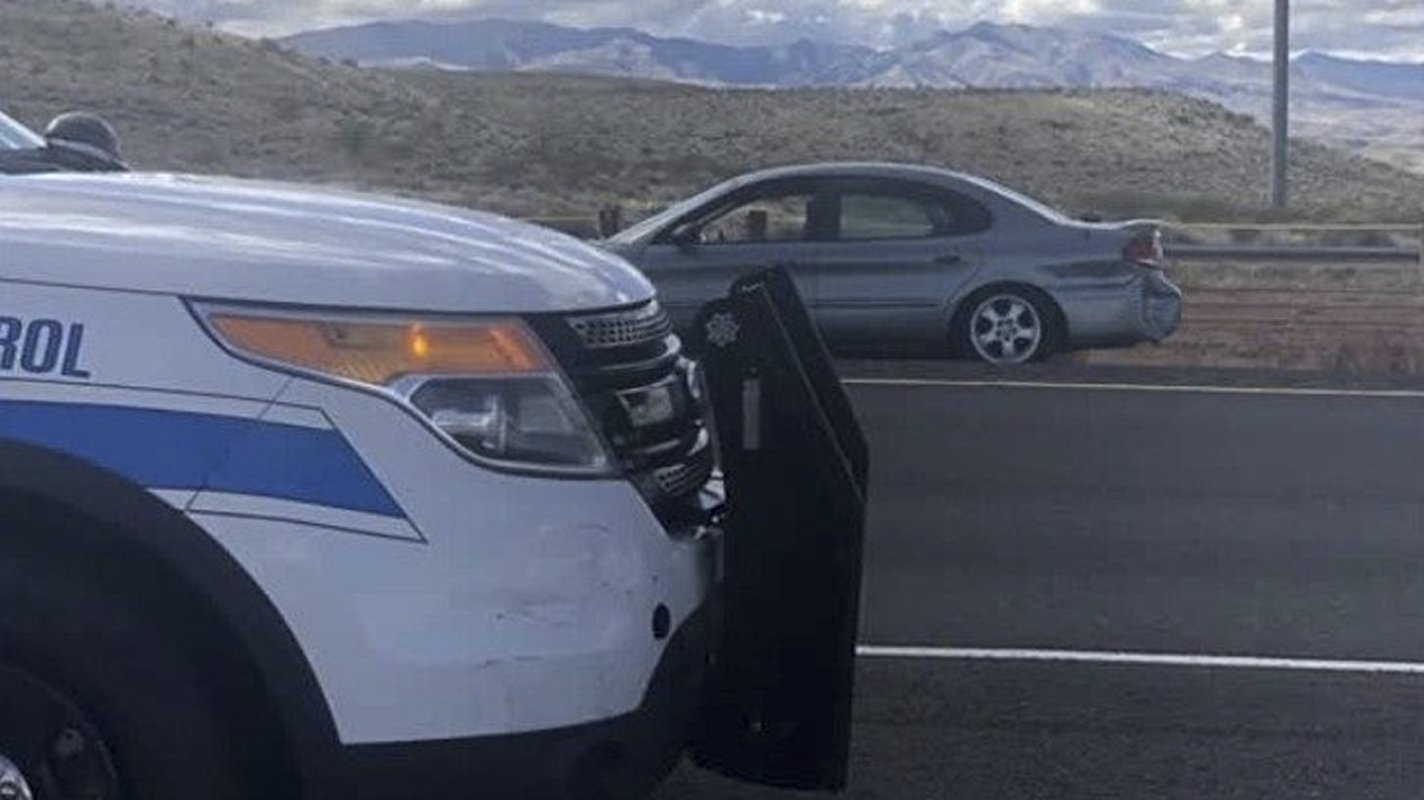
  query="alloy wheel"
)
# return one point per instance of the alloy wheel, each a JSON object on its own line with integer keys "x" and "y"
{"x": 1006, "y": 329}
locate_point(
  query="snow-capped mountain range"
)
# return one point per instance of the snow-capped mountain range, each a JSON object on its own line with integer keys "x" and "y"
{"x": 1371, "y": 106}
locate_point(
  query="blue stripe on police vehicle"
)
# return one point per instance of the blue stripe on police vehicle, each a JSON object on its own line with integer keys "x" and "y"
{"x": 179, "y": 450}
{"x": 194, "y": 451}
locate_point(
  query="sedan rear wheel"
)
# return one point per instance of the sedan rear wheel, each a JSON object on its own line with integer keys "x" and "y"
{"x": 1009, "y": 327}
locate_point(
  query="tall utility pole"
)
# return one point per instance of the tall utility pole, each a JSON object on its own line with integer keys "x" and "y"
{"x": 1280, "y": 160}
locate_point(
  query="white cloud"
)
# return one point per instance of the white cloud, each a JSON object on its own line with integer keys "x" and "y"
{"x": 1386, "y": 28}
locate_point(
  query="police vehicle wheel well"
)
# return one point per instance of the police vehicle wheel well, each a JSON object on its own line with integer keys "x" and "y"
{"x": 37, "y": 528}
{"x": 56, "y": 507}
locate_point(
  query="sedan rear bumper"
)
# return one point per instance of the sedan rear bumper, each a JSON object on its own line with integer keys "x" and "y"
{"x": 1146, "y": 308}
{"x": 1161, "y": 306}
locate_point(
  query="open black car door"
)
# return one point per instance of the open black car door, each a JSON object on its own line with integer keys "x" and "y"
{"x": 815, "y": 359}
{"x": 796, "y": 465}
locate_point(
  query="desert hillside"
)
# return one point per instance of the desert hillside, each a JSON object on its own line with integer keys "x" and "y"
{"x": 196, "y": 100}
{"x": 1112, "y": 151}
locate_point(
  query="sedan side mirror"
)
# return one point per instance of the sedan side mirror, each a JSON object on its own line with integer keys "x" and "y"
{"x": 79, "y": 140}
{"x": 686, "y": 237}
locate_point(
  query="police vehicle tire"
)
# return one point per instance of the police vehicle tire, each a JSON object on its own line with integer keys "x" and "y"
{"x": 114, "y": 708}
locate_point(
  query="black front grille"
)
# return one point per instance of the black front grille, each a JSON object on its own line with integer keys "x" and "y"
{"x": 622, "y": 328}
{"x": 628, "y": 369}
{"x": 682, "y": 479}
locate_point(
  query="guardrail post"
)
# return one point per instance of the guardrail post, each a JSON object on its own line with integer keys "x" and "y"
{"x": 610, "y": 220}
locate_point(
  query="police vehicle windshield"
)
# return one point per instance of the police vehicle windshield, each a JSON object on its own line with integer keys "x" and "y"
{"x": 14, "y": 136}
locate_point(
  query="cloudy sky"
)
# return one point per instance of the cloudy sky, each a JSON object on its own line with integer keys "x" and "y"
{"x": 1378, "y": 28}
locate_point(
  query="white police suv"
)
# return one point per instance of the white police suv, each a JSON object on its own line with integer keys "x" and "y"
{"x": 323, "y": 495}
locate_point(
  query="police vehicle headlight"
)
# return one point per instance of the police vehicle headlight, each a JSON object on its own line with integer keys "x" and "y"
{"x": 488, "y": 387}
{"x": 513, "y": 420}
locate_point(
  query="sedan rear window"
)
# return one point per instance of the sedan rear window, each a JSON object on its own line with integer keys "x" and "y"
{"x": 910, "y": 212}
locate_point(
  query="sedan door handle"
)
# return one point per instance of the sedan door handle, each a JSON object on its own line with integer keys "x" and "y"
{"x": 951, "y": 260}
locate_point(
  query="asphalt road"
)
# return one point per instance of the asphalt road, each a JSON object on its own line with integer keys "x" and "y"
{"x": 1268, "y": 524}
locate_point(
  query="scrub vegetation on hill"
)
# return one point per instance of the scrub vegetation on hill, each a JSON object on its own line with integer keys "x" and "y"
{"x": 188, "y": 99}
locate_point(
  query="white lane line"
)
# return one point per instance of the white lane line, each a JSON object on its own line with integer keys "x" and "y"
{"x": 1383, "y": 394}
{"x": 1142, "y": 659}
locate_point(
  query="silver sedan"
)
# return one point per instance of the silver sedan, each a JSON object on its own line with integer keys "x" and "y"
{"x": 893, "y": 258}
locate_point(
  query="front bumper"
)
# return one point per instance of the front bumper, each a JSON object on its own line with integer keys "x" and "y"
{"x": 617, "y": 758}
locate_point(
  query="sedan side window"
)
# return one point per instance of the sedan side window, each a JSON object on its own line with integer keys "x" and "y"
{"x": 772, "y": 218}
{"x": 889, "y": 210}
{"x": 883, "y": 216}
{"x": 963, "y": 216}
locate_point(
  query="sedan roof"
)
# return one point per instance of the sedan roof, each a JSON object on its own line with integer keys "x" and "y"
{"x": 838, "y": 169}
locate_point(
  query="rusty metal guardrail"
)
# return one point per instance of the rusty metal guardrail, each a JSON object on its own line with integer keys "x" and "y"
{"x": 1375, "y": 244}
{"x": 1341, "y": 255}
{"x": 1185, "y": 242}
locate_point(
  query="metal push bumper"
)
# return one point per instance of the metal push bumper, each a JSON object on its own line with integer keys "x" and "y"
{"x": 796, "y": 467}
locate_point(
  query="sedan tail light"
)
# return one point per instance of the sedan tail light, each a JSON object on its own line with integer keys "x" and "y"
{"x": 1146, "y": 249}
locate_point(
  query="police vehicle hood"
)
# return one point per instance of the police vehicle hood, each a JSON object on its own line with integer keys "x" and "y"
{"x": 251, "y": 241}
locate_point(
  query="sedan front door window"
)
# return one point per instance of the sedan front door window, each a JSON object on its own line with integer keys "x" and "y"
{"x": 778, "y": 217}
{"x": 767, "y": 226}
